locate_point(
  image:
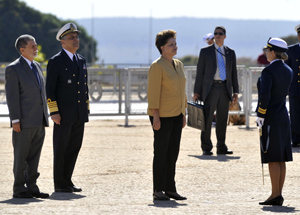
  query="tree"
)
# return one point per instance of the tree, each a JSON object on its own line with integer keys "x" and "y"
{"x": 41, "y": 56}
{"x": 17, "y": 19}
{"x": 290, "y": 39}
{"x": 189, "y": 60}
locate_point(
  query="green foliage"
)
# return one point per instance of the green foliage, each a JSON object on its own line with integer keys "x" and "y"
{"x": 290, "y": 39}
{"x": 189, "y": 60}
{"x": 41, "y": 56}
{"x": 17, "y": 19}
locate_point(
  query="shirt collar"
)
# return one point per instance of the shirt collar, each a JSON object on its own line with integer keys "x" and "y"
{"x": 28, "y": 61}
{"x": 216, "y": 46}
{"x": 70, "y": 54}
{"x": 275, "y": 60}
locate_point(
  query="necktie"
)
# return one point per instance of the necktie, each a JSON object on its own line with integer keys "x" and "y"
{"x": 35, "y": 72}
{"x": 221, "y": 63}
{"x": 75, "y": 61}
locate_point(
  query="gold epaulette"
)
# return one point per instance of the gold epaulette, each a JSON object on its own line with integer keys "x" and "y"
{"x": 88, "y": 104}
{"x": 262, "y": 111}
{"x": 52, "y": 105}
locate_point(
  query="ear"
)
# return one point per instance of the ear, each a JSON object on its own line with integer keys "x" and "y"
{"x": 162, "y": 48}
{"x": 225, "y": 36}
{"x": 22, "y": 50}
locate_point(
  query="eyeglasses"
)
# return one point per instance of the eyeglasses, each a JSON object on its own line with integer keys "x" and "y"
{"x": 219, "y": 33}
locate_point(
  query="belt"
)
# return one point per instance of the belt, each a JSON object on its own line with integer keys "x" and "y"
{"x": 219, "y": 82}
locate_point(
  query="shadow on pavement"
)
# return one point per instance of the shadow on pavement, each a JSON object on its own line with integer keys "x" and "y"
{"x": 65, "y": 196}
{"x": 54, "y": 196}
{"x": 220, "y": 158}
{"x": 296, "y": 149}
{"x": 20, "y": 201}
{"x": 280, "y": 209}
{"x": 166, "y": 204}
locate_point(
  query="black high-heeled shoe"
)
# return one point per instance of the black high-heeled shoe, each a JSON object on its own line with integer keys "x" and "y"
{"x": 278, "y": 200}
{"x": 160, "y": 198}
{"x": 176, "y": 197}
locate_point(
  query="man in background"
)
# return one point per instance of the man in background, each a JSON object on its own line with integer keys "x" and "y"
{"x": 209, "y": 39}
{"x": 26, "y": 101}
{"x": 262, "y": 59}
{"x": 216, "y": 81}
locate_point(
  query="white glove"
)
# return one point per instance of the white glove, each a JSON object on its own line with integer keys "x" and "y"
{"x": 260, "y": 121}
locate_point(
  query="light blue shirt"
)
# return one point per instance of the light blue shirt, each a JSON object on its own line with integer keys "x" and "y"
{"x": 217, "y": 74}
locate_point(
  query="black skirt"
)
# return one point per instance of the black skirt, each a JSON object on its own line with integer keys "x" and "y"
{"x": 275, "y": 143}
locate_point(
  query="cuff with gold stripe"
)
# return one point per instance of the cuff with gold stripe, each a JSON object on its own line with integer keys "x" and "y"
{"x": 52, "y": 105}
{"x": 88, "y": 104}
{"x": 262, "y": 111}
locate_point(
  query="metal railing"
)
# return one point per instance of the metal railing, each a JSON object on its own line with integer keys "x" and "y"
{"x": 124, "y": 91}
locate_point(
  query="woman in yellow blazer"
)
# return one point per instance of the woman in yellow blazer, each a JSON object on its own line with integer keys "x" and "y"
{"x": 166, "y": 109}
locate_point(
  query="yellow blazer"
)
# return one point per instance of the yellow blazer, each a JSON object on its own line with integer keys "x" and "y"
{"x": 166, "y": 88}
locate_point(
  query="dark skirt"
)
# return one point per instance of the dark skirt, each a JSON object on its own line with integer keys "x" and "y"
{"x": 275, "y": 144}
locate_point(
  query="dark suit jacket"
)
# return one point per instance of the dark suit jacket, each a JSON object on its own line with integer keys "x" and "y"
{"x": 294, "y": 62}
{"x": 273, "y": 86}
{"x": 67, "y": 89}
{"x": 25, "y": 100}
{"x": 206, "y": 69}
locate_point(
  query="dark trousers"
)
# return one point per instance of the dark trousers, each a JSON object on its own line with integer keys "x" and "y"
{"x": 217, "y": 100}
{"x": 67, "y": 141}
{"x": 295, "y": 118}
{"x": 27, "y": 150}
{"x": 166, "y": 150}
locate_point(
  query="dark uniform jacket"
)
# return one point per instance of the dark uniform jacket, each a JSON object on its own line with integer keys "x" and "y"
{"x": 67, "y": 89}
{"x": 273, "y": 86}
{"x": 294, "y": 62}
{"x": 206, "y": 69}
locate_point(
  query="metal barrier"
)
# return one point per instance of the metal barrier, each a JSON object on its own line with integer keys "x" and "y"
{"x": 124, "y": 91}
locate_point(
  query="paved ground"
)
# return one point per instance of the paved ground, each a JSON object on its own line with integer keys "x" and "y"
{"x": 114, "y": 169}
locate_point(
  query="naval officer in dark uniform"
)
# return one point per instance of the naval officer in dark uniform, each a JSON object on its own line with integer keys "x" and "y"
{"x": 272, "y": 117}
{"x": 294, "y": 94}
{"x": 68, "y": 102}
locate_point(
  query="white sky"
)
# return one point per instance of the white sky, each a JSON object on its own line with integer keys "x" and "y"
{"x": 232, "y": 9}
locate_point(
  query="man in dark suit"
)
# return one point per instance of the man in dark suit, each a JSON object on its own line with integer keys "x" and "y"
{"x": 215, "y": 82}
{"x": 26, "y": 101}
{"x": 68, "y": 103}
{"x": 294, "y": 93}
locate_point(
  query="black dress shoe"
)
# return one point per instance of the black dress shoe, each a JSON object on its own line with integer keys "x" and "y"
{"x": 22, "y": 195}
{"x": 160, "y": 198}
{"x": 40, "y": 195}
{"x": 176, "y": 197}
{"x": 64, "y": 190}
{"x": 76, "y": 189}
{"x": 228, "y": 152}
{"x": 295, "y": 144}
{"x": 207, "y": 153}
{"x": 275, "y": 201}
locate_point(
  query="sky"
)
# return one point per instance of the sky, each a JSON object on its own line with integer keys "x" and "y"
{"x": 230, "y": 9}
